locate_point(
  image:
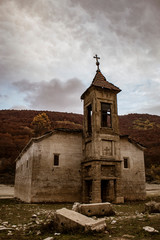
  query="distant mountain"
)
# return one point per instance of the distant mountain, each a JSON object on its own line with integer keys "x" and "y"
{"x": 16, "y": 130}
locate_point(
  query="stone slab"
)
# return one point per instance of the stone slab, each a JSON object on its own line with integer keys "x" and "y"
{"x": 94, "y": 209}
{"x": 152, "y": 207}
{"x": 66, "y": 219}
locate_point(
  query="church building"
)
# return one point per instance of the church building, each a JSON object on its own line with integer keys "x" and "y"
{"x": 90, "y": 166}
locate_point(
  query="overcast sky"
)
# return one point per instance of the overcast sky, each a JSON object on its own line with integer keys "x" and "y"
{"x": 47, "y": 49}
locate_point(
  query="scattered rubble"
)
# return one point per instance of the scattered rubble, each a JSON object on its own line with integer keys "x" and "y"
{"x": 10, "y": 233}
{"x": 65, "y": 220}
{"x": 150, "y": 229}
{"x": 38, "y": 232}
{"x": 113, "y": 221}
{"x": 128, "y": 236}
{"x": 3, "y": 228}
{"x": 49, "y": 238}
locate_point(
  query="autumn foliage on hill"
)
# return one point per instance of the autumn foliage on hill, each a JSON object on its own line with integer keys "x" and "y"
{"x": 17, "y": 128}
{"x": 41, "y": 124}
{"x": 145, "y": 129}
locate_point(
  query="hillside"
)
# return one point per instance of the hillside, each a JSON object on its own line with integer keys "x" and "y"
{"x": 16, "y": 131}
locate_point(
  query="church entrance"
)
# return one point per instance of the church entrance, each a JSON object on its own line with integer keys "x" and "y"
{"x": 107, "y": 190}
{"x": 88, "y": 190}
{"x": 104, "y": 190}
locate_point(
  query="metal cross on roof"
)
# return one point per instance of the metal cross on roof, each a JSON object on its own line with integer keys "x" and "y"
{"x": 97, "y": 63}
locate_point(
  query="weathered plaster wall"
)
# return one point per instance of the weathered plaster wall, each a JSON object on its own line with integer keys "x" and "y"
{"x": 57, "y": 183}
{"x": 133, "y": 177}
{"x": 23, "y": 176}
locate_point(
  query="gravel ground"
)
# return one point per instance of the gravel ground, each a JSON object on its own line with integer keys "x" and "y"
{"x": 6, "y": 191}
{"x": 153, "y": 189}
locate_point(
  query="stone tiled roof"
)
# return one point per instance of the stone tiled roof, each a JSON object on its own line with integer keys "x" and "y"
{"x": 100, "y": 81}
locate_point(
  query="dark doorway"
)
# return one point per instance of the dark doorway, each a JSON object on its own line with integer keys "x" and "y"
{"x": 107, "y": 190}
{"x": 104, "y": 190}
{"x": 88, "y": 190}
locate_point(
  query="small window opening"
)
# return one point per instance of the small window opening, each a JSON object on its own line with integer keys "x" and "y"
{"x": 89, "y": 116}
{"x": 106, "y": 115}
{"x": 56, "y": 160}
{"x": 126, "y": 162}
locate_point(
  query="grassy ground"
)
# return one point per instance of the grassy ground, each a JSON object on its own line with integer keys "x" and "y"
{"x": 128, "y": 222}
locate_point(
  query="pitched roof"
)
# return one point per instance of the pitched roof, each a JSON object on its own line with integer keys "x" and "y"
{"x": 131, "y": 140}
{"x": 100, "y": 81}
{"x": 46, "y": 135}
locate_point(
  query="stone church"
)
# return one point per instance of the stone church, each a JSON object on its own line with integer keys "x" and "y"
{"x": 90, "y": 166}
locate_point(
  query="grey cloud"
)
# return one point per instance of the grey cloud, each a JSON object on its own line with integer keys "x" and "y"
{"x": 53, "y": 95}
{"x": 135, "y": 21}
{"x": 41, "y": 39}
{"x": 3, "y": 96}
{"x": 25, "y": 86}
{"x": 19, "y": 107}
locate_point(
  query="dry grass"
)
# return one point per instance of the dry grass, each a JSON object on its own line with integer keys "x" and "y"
{"x": 129, "y": 220}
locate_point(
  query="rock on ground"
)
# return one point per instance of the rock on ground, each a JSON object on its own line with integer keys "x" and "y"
{"x": 152, "y": 207}
{"x": 66, "y": 219}
{"x": 94, "y": 209}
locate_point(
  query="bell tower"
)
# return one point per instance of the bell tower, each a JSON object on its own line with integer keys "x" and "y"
{"x": 101, "y": 166}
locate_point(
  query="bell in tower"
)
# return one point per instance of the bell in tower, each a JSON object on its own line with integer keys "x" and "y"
{"x": 101, "y": 159}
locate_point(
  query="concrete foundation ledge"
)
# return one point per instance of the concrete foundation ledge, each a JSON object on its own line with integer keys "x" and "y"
{"x": 94, "y": 209}
{"x": 119, "y": 200}
{"x": 66, "y": 219}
